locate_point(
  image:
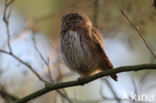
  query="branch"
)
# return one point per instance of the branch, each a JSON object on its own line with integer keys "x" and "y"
{"x": 7, "y": 96}
{"x": 136, "y": 27}
{"x": 87, "y": 80}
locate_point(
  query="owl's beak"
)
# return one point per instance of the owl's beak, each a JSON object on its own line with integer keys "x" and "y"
{"x": 64, "y": 25}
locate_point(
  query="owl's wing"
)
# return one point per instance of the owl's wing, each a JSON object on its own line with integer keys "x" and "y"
{"x": 99, "y": 46}
{"x": 94, "y": 40}
{"x": 97, "y": 40}
{"x": 91, "y": 37}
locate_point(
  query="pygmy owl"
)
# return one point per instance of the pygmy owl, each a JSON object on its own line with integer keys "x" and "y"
{"x": 82, "y": 46}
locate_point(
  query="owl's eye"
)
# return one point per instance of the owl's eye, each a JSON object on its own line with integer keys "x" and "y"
{"x": 65, "y": 24}
{"x": 72, "y": 19}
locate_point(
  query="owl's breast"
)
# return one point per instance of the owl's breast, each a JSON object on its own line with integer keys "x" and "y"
{"x": 74, "y": 50}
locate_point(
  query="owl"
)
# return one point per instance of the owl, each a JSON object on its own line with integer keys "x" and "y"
{"x": 82, "y": 47}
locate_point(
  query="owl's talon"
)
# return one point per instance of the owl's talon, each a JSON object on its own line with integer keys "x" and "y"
{"x": 80, "y": 79}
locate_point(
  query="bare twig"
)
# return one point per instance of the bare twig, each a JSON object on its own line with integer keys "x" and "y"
{"x": 95, "y": 16}
{"x": 47, "y": 63}
{"x": 64, "y": 76}
{"x": 43, "y": 18}
{"x": 112, "y": 90}
{"x": 24, "y": 63}
{"x": 143, "y": 78}
{"x": 107, "y": 98}
{"x": 134, "y": 85}
{"x": 95, "y": 22}
{"x": 49, "y": 70}
{"x": 6, "y": 21}
{"x": 6, "y": 17}
{"x": 154, "y": 3}
{"x": 8, "y": 97}
{"x": 136, "y": 27}
{"x": 65, "y": 93}
{"x": 37, "y": 50}
{"x": 64, "y": 96}
{"x": 86, "y": 80}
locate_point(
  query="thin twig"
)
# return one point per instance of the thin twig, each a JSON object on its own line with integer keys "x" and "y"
{"x": 42, "y": 58}
{"x": 95, "y": 22}
{"x": 37, "y": 50}
{"x": 65, "y": 93}
{"x": 154, "y": 3}
{"x": 7, "y": 96}
{"x": 47, "y": 63}
{"x": 136, "y": 27}
{"x": 43, "y": 18}
{"x": 112, "y": 90}
{"x": 96, "y": 12}
{"x": 143, "y": 78}
{"x": 64, "y": 96}
{"x": 107, "y": 98}
{"x": 64, "y": 76}
{"x": 86, "y": 80}
{"x": 49, "y": 70}
{"x": 6, "y": 20}
{"x": 24, "y": 63}
{"x": 134, "y": 85}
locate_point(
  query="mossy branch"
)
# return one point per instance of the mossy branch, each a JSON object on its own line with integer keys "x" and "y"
{"x": 87, "y": 80}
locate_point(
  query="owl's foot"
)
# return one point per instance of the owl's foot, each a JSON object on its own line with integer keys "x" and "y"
{"x": 80, "y": 79}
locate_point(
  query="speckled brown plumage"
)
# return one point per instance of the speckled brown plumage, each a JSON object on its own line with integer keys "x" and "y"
{"x": 82, "y": 46}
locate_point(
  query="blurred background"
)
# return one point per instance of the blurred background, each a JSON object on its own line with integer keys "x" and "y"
{"x": 34, "y": 28}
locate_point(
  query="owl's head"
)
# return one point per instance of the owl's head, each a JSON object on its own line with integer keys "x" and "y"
{"x": 73, "y": 19}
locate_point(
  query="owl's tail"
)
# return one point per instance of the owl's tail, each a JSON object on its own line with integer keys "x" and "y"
{"x": 106, "y": 64}
{"x": 114, "y": 76}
